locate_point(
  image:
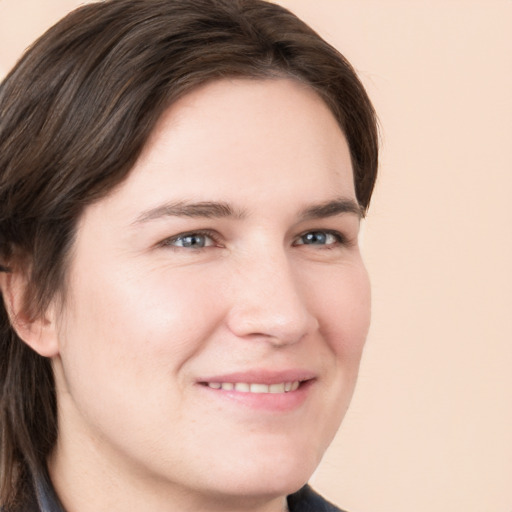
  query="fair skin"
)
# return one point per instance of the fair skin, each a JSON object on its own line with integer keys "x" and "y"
{"x": 227, "y": 259}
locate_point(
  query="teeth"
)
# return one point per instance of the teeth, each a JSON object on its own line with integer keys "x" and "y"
{"x": 259, "y": 388}
{"x": 277, "y": 388}
{"x": 244, "y": 387}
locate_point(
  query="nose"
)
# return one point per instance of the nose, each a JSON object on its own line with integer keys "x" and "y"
{"x": 269, "y": 301}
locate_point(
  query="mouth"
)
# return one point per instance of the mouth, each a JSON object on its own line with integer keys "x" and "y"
{"x": 256, "y": 387}
{"x": 262, "y": 390}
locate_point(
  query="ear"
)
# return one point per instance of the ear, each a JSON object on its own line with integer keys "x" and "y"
{"x": 39, "y": 333}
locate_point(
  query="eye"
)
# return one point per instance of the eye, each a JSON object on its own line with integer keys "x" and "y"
{"x": 325, "y": 238}
{"x": 195, "y": 240}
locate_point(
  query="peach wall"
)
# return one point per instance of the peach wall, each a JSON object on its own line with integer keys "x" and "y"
{"x": 430, "y": 428}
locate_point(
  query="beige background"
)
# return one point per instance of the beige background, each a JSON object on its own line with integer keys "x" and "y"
{"x": 430, "y": 428}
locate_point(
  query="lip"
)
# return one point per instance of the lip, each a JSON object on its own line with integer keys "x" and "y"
{"x": 272, "y": 402}
{"x": 263, "y": 376}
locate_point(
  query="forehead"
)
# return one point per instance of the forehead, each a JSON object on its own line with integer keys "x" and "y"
{"x": 248, "y": 120}
{"x": 242, "y": 141}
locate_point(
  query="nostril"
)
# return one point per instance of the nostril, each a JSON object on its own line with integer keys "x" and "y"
{"x": 277, "y": 328}
{"x": 268, "y": 304}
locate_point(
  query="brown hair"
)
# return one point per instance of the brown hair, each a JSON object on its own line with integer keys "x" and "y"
{"x": 75, "y": 113}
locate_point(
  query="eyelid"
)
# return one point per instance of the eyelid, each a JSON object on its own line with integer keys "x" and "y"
{"x": 168, "y": 242}
{"x": 341, "y": 239}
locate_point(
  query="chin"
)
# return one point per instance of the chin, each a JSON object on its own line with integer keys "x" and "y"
{"x": 271, "y": 474}
{"x": 265, "y": 487}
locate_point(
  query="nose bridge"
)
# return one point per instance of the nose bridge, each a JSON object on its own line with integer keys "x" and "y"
{"x": 268, "y": 300}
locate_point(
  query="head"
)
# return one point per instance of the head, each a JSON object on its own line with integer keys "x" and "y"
{"x": 85, "y": 115}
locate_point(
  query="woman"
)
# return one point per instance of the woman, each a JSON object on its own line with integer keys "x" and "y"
{"x": 185, "y": 304}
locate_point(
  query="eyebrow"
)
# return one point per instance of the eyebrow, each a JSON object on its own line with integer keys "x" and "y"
{"x": 203, "y": 209}
{"x": 332, "y": 208}
{"x": 220, "y": 209}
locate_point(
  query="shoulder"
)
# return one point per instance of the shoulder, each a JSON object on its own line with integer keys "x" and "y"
{"x": 307, "y": 500}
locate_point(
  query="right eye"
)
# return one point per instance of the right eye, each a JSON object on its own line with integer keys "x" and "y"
{"x": 192, "y": 240}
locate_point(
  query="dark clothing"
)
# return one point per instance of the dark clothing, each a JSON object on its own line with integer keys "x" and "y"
{"x": 307, "y": 500}
{"x": 44, "y": 499}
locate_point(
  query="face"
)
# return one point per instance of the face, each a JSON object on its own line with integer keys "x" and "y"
{"x": 217, "y": 304}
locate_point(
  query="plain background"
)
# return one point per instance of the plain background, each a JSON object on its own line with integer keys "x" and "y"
{"x": 430, "y": 427}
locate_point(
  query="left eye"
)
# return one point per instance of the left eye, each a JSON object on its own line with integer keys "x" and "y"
{"x": 319, "y": 238}
{"x": 190, "y": 240}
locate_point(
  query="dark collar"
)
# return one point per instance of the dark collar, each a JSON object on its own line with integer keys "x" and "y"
{"x": 307, "y": 500}
{"x": 42, "y": 497}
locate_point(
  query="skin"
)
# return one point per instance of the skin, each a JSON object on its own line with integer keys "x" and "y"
{"x": 145, "y": 318}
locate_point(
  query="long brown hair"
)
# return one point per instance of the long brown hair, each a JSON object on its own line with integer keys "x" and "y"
{"x": 75, "y": 113}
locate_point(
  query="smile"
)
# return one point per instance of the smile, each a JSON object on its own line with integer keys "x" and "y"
{"x": 261, "y": 390}
{"x": 245, "y": 387}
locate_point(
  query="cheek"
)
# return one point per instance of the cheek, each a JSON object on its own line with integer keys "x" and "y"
{"x": 128, "y": 326}
{"x": 344, "y": 309}
{"x": 126, "y": 341}
{"x": 342, "y": 302}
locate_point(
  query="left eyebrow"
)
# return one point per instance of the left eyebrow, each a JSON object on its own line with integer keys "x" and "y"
{"x": 331, "y": 209}
{"x": 204, "y": 209}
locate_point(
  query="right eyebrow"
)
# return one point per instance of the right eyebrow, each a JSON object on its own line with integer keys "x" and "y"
{"x": 204, "y": 209}
{"x": 332, "y": 208}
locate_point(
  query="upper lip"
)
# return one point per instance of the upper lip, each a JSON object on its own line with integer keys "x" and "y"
{"x": 262, "y": 376}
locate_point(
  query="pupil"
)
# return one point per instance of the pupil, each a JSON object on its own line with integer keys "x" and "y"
{"x": 193, "y": 241}
{"x": 316, "y": 238}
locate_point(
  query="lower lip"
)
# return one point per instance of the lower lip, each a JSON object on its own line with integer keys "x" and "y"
{"x": 273, "y": 402}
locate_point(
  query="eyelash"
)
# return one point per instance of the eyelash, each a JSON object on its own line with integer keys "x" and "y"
{"x": 200, "y": 232}
{"x": 340, "y": 239}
